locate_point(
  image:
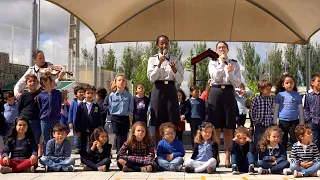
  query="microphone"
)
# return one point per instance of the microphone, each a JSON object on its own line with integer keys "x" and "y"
{"x": 165, "y": 53}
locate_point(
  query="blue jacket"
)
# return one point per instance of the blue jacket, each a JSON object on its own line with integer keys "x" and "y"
{"x": 165, "y": 148}
{"x": 87, "y": 122}
{"x": 50, "y": 105}
{"x": 279, "y": 152}
{"x": 73, "y": 111}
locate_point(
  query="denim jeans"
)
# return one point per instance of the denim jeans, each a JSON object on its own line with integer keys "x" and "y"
{"x": 306, "y": 172}
{"x": 169, "y": 165}
{"x": 315, "y": 131}
{"x": 276, "y": 169}
{"x": 46, "y": 130}
{"x": 36, "y": 129}
{"x": 56, "y": 166}
{"x": 243, "y": 166}
{"x": 76, "y": 140}
{"x": 258, "y": 132}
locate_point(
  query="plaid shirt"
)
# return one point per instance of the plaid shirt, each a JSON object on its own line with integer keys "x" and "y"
{"x": 312, "y": 108}
{"x": 138, "y": 153}
{"x": 261, "y": 110}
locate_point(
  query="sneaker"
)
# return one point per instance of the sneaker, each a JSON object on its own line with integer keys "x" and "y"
{"x": 263, "y": 171}
{"x": 251, "y": 169}
{"x": 126, "y": 169}
{"x": 75, "y": 151}
{"x": 5, "y": 169}
{"x": 81, "y": 164}
{"x": 189, "y": 169}
{"x": 297, "y": 174}
{"x": 42, "y": 166}
{"x": 71, "y": 168}
{"x": 146, "y": 168}
{"x": 235, "y": 169}
{"x": 285, "y": 171}
{"x": 102, "y": 168}
{"x": 210, "y": 170}
{"x": 30, "y": 169}
{"x": 46, "y": 169}
{"x": 176, "y": 168}
{"x": 316, "y": 174}
{"x": 86, "y": 168}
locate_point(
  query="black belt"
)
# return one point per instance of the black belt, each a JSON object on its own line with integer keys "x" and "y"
{"x": 222, "y": 86}
{"x": 164, "y": 82}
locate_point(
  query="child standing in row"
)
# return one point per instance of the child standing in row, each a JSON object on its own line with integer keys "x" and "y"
{"x": 261, "y": 109}
{"x": 88, "y": 118}
{"x": 195, "y": 110}
{"x": 29, "y": 108}
{"x": 272, "y": 156}
{"x": 49, "y": 101}
{"x": 98, "y": 156}
{"x": 140, "y": 104}
{"x": 242, "y": 150}
{"x": 58, "y": 151}
{"x": 205, "y": 151}
{"x": 311, "y": 108}
{"x": 288, "y": 108}
{"x": 79, "y": 93}
{"x": 170, "y": 151}
{"x": 21, "y": 147}
{"x": 241, "y": 96}
{"x": 10, "y": 109}
{"x": 305, "y": 157}
{"x": 137, "y": 154}
{"x": 182, "y": 107}
{"x": 120, "y": 107}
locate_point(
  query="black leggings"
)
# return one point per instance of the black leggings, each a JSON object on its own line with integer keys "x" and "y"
{"x": 132, "y": 165}
{"x": 95, "y": 165}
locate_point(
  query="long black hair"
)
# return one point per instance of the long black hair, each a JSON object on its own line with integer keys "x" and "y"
{"x": 279, "y": 86}
{"x": 12, "y": 136}
{"x": 184, "y": 97}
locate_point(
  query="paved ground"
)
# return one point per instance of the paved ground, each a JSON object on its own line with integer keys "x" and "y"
{"x": 114, "y": 174}
{"x": 221, "y": 174}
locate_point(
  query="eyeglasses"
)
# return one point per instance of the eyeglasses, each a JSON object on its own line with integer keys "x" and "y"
{"x": 171, "y": 134}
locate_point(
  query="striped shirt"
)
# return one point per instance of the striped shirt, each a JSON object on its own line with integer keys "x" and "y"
{"x": 300, "y": 153}
{"x": 261, "y": 110}
{"x": 312, "y": 108}
{"x": 138, "y": 153}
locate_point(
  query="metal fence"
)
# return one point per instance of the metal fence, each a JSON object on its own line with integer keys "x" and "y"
{"x": 16, "y": 42}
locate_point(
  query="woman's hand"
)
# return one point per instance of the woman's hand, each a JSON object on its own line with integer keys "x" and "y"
{"x": 33, "y": 159}
{"x": 230, "y": 67}
{"x": 173, "y": 66}
{"x": 5, "y": 160}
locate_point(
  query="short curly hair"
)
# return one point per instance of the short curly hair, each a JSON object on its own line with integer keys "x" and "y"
{"x": 166, "y": 125}
{"x": 301, "y": 130}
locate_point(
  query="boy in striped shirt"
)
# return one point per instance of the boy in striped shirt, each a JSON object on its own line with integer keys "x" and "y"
{"x": 305, "y": 157}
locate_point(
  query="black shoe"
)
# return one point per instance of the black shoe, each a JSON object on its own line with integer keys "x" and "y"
{"x": 251, "y": 169}
{"x": 235, "y": 169}
{"x": 189, "y": 169}
{"x": 228, "y": 166}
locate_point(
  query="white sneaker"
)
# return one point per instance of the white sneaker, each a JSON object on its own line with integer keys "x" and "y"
{"x": 285, "y": 171}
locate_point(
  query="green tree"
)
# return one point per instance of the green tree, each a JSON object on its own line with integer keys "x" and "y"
{"x": 108, "y": 59}
{"x": 250, "y": 60}
{"x": 175, "y": 49}
{"x": 86, "y": 56}
{"x": 141, "y": 74}
{"x": 292, "y": 61}
{"x": 202, "y": 67}
{"x": 127, "y": 62}
{"x": 189, "y": 67}
{"x": 275, "y": 60}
